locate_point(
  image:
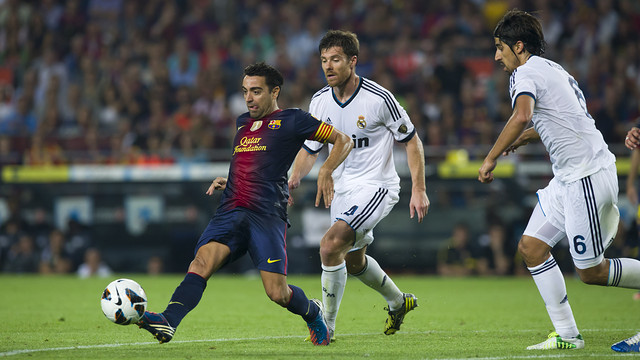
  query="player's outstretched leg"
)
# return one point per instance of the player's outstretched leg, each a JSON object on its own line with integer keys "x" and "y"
{"x": 157, "y": 325}
{"x": 396, "y": 317}
{"x": 631, "y": 344}
{"x": 556, "y": 342}
{"x": 318, "y": 331}
{"x": 184, "y": 299}
{"x": 311, "y": 312}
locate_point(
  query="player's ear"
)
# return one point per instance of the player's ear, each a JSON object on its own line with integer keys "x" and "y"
{"x": 354, "y": 60}
{"x": 275, "y": 92}
{"x": 519, "y": 47}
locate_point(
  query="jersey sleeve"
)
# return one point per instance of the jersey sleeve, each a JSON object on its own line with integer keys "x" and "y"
{"x": 397, "y": 120}
{"x": 313, "y": 129}
{"x": 312, "y": 145}
{"x": 524, "y": 81}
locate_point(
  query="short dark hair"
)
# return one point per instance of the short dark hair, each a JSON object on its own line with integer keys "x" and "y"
{"x": 347, "y": 40}
{"x": 517, "y": 25}
{"x": 272, "y": 76}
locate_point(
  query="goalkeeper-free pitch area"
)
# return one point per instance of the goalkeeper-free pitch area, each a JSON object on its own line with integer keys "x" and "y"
{"x": 51, "y": 317}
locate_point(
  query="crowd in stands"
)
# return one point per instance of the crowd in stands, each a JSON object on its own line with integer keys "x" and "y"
{"x": 150, "y": 82}
{"x": 158, "y": 82}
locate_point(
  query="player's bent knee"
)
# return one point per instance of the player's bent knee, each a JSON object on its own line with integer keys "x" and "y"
{"x": 532, "y": 251}
{"x": 278, "y": 296}
{"x": 597, "y": 275}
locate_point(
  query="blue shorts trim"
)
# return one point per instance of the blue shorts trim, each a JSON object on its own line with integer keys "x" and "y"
{"x": 242, "y": 230}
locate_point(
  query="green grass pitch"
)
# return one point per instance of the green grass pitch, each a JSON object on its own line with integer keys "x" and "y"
{"x": 458, "y": 318}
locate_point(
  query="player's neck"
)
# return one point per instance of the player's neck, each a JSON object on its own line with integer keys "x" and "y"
{"x": 343, "y": 92}
{"x": 524, "y": 57}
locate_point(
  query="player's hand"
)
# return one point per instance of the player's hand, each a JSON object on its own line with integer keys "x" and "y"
{"x": 294, "y": 183}
{"x": 485, "y": 173}
{"x": 632, "y": 140}
{"x": 325, "y": 188}
{"x": 520, "y": 141}
{"x": 419, "y": 204}
{"x": 219, "y": 183}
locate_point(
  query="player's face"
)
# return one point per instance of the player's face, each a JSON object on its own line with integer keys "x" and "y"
{"x": 505, "y": 56}
{"x": 337, "y": 67}
{"x": 260, "y": 102}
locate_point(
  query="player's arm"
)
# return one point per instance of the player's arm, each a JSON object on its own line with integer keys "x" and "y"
{"x": 632, "y": 192}
{"x": 520, "y": 118}
{"x": 419, "y": 203}
{"x": 218, "y": 183}
{"x": 301, "y": 166}
{"x": 528, "y": 136}
{"x": 342, "y": 145}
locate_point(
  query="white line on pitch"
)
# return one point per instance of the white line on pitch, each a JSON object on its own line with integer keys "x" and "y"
{"x": 98, "y": 346}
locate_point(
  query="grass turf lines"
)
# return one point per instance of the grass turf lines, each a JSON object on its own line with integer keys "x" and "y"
{"x": 51, "y": 317}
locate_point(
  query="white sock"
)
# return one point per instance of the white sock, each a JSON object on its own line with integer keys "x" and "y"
{"x": 551, "y": 286}
{"x": 374, "y": 277}
{"x": 333, "y": 281}
{"x": 624, "y": 272}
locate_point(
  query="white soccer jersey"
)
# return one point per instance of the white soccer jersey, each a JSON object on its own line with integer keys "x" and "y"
{"x": 373, "y": 119}
{"x": 576, "y": 148}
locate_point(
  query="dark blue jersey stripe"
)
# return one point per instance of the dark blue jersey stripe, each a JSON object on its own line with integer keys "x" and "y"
{"x": 321, "y": 91}
{"x": 388, "y": 100}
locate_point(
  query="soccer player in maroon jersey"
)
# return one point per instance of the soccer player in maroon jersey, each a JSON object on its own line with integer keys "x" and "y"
{"x": 252, "y": 215}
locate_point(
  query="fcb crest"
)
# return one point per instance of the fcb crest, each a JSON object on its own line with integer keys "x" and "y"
{"x": 274, "y": 124}
{"x": 256, "y": 125}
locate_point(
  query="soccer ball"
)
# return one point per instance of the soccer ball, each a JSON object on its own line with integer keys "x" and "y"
{"x": 124, "y": 301}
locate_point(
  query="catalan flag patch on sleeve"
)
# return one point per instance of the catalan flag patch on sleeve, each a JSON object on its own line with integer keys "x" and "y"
{"x": 323, "y": 133}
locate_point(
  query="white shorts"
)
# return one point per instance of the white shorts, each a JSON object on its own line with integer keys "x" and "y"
{"x": 362, "y": 208}
{"x": 583, "y": 211}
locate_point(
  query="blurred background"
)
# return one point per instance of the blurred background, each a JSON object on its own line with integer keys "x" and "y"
{"x": 116, "y": 115}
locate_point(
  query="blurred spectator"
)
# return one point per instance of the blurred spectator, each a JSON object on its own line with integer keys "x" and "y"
{"x": 183, "y": 64}
{"x": 54, "y": 258}
{"x": 43, "y": 152}
{"x": 455, "y": 258}
{"x": 6, "y": 101}
{"x": 78, "y": 241}
{"x": 93, "y": 265}
{"x": 495, "y": 258}
{"x": 23, "y": 257}
{"x": 21, "y": 120}
{"x": 155, "y": 265}
{"x": 8, "y": 155}
{"x": 10, "y": 233}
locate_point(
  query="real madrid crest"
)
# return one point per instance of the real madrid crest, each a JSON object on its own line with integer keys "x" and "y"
{"x": 361, "y": 123}
{"x": 256, "y": 125}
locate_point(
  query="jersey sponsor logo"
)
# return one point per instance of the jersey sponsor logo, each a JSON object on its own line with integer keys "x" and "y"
{"x": 328, "y": 121}
{"x": 256, "y": 125}
{"x": 248, "y": 144}
{"x": 274, "y": 124}
{"x": 240, "y": 127}
{"x": 360, "y": 142}
{"x": 361, "y": 123}
{"x": 272, "y": 261}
